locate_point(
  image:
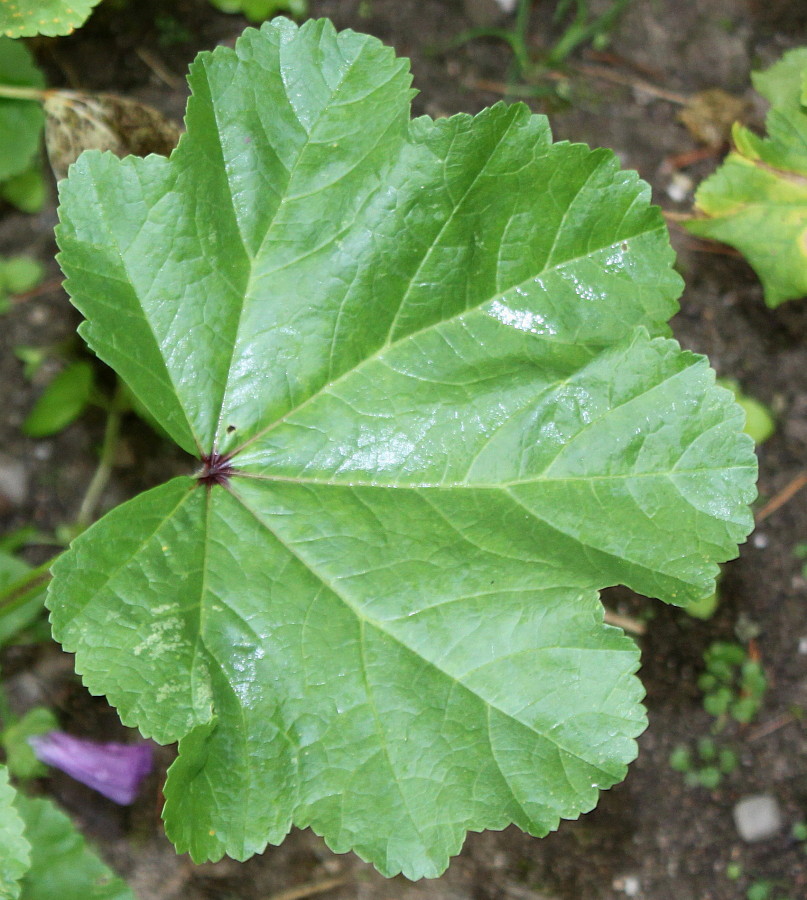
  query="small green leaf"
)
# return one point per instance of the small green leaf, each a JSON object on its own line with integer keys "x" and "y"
{"x": 21, "y": 121}
{"x": 680, "y": 759}
{"x": 718, "y": 703}
{"x": 728, "y": 761}
{"x": 760, "y": 890}
{"x": 705, "y": 607}
{"x": 25, "y": 18}
{"x": 757, "y": 201}
{"x": 20, "y": 273}
{"x": 20, "y": 757}
{"x": 759, "y": 421}
{"x": 15, "y": 851}
{"x": 734, "y": 871}
{"x": 260, "y": 10}
{"x": 709, "y": 777}
{"x": 707, "y": 749}
{"x": 434, "y": 356}
{"x": 12, "y": 623}
{"x": 62, "y": 865}
{"x": 63, "y": 401}
{"x": 26, "y": 190}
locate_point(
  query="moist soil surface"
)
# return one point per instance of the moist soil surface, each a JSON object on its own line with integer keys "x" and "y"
{"x": 653, "y": 836}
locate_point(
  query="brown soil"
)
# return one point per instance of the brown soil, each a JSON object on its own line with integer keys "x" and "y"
{"x": 651, "y": 837}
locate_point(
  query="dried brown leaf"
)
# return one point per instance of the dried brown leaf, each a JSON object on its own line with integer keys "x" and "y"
{"x": 709, "y": 115}
{"x": 76, "y": 121}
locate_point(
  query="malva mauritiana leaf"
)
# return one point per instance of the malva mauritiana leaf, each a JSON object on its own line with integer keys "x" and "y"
{"x": 25, "y": 18}
{"x": 757, "y": 200}
{"x": 62, "y": 865}
{"x": 424, "y": 366}
{"x": 21, "y": 121}
{"x": 15, "y": 851}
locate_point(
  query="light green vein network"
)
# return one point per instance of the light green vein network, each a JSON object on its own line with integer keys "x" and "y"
{"x": 437, "y": 356}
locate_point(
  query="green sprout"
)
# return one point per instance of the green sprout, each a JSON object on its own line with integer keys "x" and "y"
{"x": 577, "y": 23}
{"x": 707, "y": 766}
{"x": 733, "y": 684}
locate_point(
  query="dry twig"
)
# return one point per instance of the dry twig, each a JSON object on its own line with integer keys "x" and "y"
{"x": 786, "y": 494}
{"x": 310, "y": 889}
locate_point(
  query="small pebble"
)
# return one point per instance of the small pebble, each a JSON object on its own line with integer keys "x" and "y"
{"x": 760, "y": 540}
{"x": 632, "y": 886}
{"x": 13, "y": 480}
{"x": 628, "y": 885}
{"x": 679, "y": 188}
{"x": 757, "y": 817}
{"x": 803, "y": 646}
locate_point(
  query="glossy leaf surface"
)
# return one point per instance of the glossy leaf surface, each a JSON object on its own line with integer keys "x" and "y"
{"x": 14, "y": 848}
{"x": 25, "y": 18}
{"x": 757, "y": 200}
{"x": 425, "y": 365}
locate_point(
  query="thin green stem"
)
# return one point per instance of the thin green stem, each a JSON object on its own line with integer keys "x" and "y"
{"x": 7, "y": 716}
{"x": 14, "y": 92}
{"x": 106, "y": 463}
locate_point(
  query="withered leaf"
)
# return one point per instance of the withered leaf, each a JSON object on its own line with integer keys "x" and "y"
{"x": 76, "y": 121}
{"x": 709, "y": 115}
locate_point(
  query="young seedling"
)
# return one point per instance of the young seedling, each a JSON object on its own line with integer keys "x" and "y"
{"x": 577, "y": 23}
{"x": 707, "y": 767}
{"x": 733, "y": 684}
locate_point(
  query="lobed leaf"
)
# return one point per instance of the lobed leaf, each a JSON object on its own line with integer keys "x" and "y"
{"x": 757, "y": 200}
{"x": 425, "y": 366}
{"x": 25, "y": 18}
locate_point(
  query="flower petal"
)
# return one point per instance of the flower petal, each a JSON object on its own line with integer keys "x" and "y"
{"x": 113, "y": 769}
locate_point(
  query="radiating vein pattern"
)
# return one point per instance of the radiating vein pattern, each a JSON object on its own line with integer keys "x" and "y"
{"x": 434, "y": 357}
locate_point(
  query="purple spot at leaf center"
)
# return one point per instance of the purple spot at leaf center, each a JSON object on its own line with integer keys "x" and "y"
{"x": 217, "y": 469}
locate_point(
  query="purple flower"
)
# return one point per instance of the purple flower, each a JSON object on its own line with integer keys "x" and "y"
{"x": 114, "y": 770}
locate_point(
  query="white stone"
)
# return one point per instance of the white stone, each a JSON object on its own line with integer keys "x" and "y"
{"x": 631, "y": 885}
{"x": 757, "y": 817}
{"x": 13, "y": 480}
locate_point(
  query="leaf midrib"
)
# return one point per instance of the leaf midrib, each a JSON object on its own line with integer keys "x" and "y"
{"x": 385, "y": 348}
{"x": 284, "y": 199}
{"x": 362, "y": 616}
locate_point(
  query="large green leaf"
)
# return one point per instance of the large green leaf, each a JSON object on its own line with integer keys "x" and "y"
{"x": 21, "y": 121}
{"x": 757, "y": 200}
{"x": 62, "y": 865}
{"x": 433, "y": 357}
{"x": 15, "y": 851}
{"x": 25, "y": 18}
